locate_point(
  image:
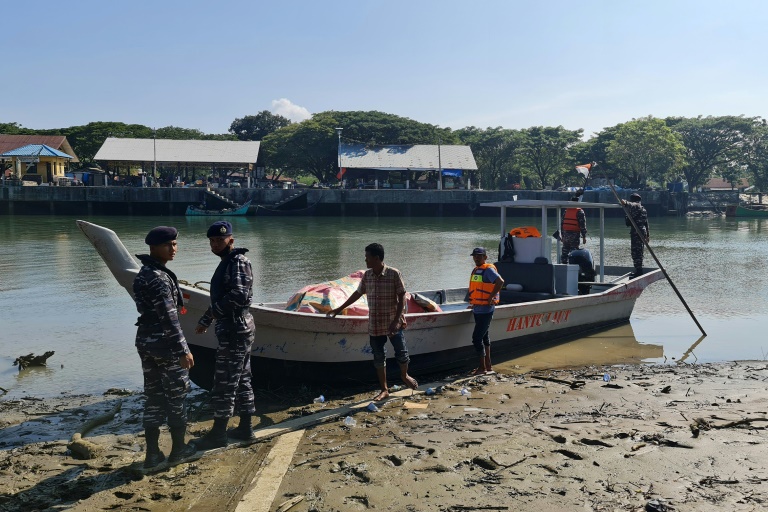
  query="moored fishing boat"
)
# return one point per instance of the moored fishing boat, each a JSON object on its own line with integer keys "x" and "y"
{"x": 543, "y": 308}
{"x": 746, "y": 211}
{"x": 226, "y": 212}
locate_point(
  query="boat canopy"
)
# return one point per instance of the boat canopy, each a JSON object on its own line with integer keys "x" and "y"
{"x": 558, "y": 205}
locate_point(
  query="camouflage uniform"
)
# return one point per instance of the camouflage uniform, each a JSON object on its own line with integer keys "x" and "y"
{"x": 231, "y": 294}
{"x": 640, "y": 216}
{"x": 570, "y": 239}
{"x": 161, "y": 343}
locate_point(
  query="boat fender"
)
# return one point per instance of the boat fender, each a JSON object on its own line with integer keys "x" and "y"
{"x": 514, "y": 287}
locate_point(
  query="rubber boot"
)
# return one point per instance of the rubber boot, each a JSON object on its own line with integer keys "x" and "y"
{"x": 244, "y": 430}
{"x": 215, "y": 438}
{"x": 154, "y": 456}
{"x": 180, "y": 450}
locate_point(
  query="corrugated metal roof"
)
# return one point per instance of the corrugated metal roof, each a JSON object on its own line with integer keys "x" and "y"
{"x": 60, "y": 142}
{"x": 36, "y": 150}
{"x": 186, "y": 151}
{"x": 407, "y": 157}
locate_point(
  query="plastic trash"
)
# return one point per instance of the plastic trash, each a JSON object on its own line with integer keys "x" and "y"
{"x": 396, "y": 387}
{"x": 350, "y": 421}
{"x": 606, "y": 377}
{"x": 319, "y": 400}
{"x": 466, "y": 392}
{"x": 430, "y": 391}
{"x": 372, "y": 407}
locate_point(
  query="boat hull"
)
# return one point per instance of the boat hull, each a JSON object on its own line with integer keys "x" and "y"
{"x": 197, "y": 212}
{"x": 736, "y": 210}
{"x": 308, "y": 347}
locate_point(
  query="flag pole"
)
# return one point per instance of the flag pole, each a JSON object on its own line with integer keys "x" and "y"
{"x": 650, "y": 250}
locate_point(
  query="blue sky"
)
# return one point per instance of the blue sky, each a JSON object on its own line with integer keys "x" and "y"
{"x": 515, "y": 64}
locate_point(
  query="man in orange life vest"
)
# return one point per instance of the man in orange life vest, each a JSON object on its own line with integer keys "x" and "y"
{"x": 574, "y": 223}
{"x": 484, "y": 286}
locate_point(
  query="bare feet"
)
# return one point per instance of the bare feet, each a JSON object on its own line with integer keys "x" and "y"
{"x": 381, "y": 396}
{"x": 410, "y": 382}
{"x": 478, "y": 371}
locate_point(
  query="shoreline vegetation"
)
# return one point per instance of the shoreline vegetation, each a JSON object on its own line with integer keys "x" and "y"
{"x": 629, "y": 437}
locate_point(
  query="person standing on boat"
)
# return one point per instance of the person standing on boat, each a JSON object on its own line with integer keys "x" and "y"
{"x": 160, "y": 342}
{"x": 485, "y": 283}
{"x": 231, "y": 294}
{"x": 385, "y": 290}
{"x": 573, "y": 224}
{"x": 640, "y": 216}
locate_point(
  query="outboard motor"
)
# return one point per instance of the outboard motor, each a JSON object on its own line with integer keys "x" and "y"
{"x": 583, "y": 258}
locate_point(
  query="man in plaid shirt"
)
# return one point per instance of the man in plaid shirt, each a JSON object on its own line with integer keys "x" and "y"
{"x": 385, "y": 290}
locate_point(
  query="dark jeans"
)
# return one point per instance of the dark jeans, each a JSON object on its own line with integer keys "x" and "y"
{"x": 380, "y": 351}
{"x": 480, "y": 338}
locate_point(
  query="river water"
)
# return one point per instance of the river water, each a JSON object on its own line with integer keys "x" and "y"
{"x": 56, "y": 293}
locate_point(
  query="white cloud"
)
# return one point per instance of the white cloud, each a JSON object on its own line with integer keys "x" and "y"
{"x": 286, "y": 108}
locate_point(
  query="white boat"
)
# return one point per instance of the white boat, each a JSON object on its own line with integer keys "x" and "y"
{"x": 306, "y": 346}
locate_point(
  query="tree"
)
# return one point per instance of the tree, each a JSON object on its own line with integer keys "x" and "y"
{"x": 259, "y": 126}
{"x": 15, "y": 129}
{"x": 757, "y": 156}
{"x": 544, "y": 150}
{"x": 644, "y": 149}
{"x": 493, "y": 149}
{"x": 312, "y": 145}
{"x": 712, "y": 143}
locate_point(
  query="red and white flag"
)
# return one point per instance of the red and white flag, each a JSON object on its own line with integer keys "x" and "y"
{"x": 341, "y": 172}
{"x": 584, "y": 169}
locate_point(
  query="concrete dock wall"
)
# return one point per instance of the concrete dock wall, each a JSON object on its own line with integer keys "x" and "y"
{"x": 174, "y": 201}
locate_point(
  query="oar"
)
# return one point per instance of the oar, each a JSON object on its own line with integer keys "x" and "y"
{"x": 650, "y": 250}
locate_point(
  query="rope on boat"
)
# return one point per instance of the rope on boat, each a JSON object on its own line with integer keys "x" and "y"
{"x": 196, "y": 284}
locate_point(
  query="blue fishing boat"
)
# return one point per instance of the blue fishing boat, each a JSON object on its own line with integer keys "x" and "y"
{"x": 226, "y": 212}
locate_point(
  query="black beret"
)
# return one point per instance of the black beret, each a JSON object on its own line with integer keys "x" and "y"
{"x": 161, "y": 235}
{"x": 219, "y": 228}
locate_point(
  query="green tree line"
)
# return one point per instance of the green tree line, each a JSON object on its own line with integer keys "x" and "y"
{"x": 639, "y": 153}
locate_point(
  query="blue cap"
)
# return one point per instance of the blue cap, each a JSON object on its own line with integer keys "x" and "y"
{"x": 219, "y": 228}
{"x": 478, "y": 250}
{"x": 161, "y": 235}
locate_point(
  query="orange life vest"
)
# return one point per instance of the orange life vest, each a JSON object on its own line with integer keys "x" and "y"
{"x": 571, "y": 221}
{"x": 479, "y": 290}
{"x": 525, "y": 232}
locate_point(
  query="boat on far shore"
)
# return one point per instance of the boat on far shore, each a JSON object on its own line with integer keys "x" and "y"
{"x": 746, "y": 210}
{"x": 226, "y": 212}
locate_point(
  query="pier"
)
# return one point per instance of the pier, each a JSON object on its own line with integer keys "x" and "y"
{"x": 19, "y": 200}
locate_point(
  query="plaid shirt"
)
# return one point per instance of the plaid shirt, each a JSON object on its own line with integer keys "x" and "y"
{"x": 382, "y": 290}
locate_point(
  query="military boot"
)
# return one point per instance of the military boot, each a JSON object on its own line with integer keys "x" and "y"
{"x": 180, "y": 450}
{"x": 244, "y": 430}
{"x": 215, "y": 438}
{"x": 154, "y": 455}
{"x": 638, "y": 272}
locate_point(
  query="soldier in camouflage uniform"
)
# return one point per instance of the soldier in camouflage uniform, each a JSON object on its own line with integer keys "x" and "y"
{"x": 165, "y": 357}
{"x": 231, "y": 293}
{"x": 640, "y": 216}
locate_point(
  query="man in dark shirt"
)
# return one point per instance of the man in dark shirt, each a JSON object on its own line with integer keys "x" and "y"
{"x": 165, "y": 356}
{"x": 231, "y": 294}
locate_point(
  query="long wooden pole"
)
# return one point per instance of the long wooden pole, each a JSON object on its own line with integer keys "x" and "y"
{"x": 650, "y": 250}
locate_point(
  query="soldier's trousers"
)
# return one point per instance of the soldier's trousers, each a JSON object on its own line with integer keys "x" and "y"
{"x": 637, "y": 249}
{"x": 166, "y": 385}
{"x": 570, "y": 241}
{"x": 232, "y": 390}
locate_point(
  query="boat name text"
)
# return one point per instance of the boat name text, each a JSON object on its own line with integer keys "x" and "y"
{"x": 537, "y": 320}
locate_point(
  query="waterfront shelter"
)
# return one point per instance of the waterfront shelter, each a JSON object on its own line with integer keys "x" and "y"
{"x": 38, "y": 163}
{"x": 169, "y": 160}
{"x": 405, "y": 165}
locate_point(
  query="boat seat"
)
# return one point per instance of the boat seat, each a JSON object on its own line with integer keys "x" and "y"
{"x": 536, "y": 279}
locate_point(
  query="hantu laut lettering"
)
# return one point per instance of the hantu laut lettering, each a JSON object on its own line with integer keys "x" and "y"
{"x": 528, "y": 321}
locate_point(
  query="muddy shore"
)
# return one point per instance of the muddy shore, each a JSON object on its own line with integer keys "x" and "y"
{"x": 684, "y": 437}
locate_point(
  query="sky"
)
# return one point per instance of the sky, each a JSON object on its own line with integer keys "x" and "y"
{"x": 201, "y": 64}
